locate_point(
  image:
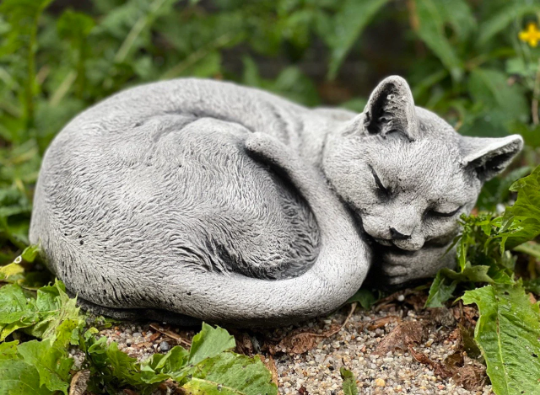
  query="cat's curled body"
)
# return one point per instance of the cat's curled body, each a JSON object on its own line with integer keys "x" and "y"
{"x": 232, "y": 205}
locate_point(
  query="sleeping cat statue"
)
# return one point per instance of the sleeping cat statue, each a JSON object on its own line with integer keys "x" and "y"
{"x": 198, "y": 199}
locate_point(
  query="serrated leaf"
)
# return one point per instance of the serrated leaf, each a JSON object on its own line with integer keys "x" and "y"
{"x": 231, "y": 373}
{"x": 349, "y": 382}
{"x": 18, "y": 377}
{"x": 209, "y": 342}
{"x": 60, "y": 317}
{"x": 14, "y": 310}
{"x": 348, "y": 25}
{"x": 507, "y": 333}
{"x": 441, "y": 290}
{"x": 524, "y": 215}
{"x": 52, "y": 363}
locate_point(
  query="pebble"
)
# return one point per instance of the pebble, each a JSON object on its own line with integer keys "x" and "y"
{"x": 380, "y": 382}
{"x": 318, "y": 370}
{"x": 164, "y": 346}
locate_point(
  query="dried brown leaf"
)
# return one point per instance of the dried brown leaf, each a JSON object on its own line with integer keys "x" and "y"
{"x": 244, "y": 345}
{"x": 472, "y": 376}
{"x": 402, "y": 337}
{"x": 442, "y": 316}
{"x": 381, "y": 322}
{"x": 171, "y": 334}
{"x": 271, "y": 366}
{"x": 299, "y": 343}
{"x": 438, "y": 368}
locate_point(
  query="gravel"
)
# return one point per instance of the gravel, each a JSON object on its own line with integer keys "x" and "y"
{"x": 318, "y": 370}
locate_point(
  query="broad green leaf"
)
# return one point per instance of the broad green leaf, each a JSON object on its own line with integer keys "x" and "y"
{"x": 348, "y": 26}
{"x": 441, "y": 290}
{"x": 349, "y": 382}
{"x": 209, "y": 342}
{"x": 19, "y": 378}
{"x": 490, "y": 88}
{"x": 508, "y": 333}
{"x": 16, "y": 376}
{"x": 232, "y": 373}
{"x": 365, "y": 297}
{"x": 524, "y": 215}
{"x": 52, "y": 363}
{"x": 160, "y": 367}
{"x": 205, "y": 387}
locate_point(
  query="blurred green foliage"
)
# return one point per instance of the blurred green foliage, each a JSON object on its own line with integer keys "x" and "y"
{"x": 464, "y": 60}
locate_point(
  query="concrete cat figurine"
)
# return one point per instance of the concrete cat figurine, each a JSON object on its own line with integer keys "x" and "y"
{"x": 204, "y": 199}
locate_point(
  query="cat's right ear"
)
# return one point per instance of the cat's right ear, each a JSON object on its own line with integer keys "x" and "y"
{"x": 489, "y": 156}
{"x": 390, "y": 108}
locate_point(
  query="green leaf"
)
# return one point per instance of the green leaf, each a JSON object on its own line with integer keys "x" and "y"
{"x": 160, "y": 367}
{"x": 433, "y": 15}
{"x": 60, "y": 317}
{"x": 490, "y": 88}
{"x": 75, "y": 26}
{"x": 524, "y": 215}
{"x": 507, "y": 333}
{"x": 349, "y": 382}
{"x": 231, "y": 373}
{"x": 52, "y": 363}
{"x": 11, "y": 270}
{"x": 33, "y": 368}
{"x": 365, "y": 297}
{"x": 512, "y": 12}
{"x": 209, "y": 342}
{"x": 30, "y": 253}
{"x": 14, "y": 311}
{"x": 348, "y": 25}
{"x": 51, "y": 315}
{"x": 441, "y": 290}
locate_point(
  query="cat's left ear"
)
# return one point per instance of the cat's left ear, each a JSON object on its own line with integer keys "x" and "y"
{"x": 390, "y": 108}
{"x": 489, "y": 156}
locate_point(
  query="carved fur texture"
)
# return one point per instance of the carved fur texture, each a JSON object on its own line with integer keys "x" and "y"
{"x": 199, "y": 198}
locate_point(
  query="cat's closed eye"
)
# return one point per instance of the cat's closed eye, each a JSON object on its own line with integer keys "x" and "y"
{"x": 442, "y": 213}
{"x": 383, "y": 192}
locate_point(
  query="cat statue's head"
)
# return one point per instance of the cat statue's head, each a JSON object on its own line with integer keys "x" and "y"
{"x": 408, "y": 175}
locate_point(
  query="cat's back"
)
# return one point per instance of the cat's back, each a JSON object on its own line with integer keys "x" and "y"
{"x": 151, "y": 178}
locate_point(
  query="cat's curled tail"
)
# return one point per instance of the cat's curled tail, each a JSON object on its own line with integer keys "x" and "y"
{"x": 337, "y": 274}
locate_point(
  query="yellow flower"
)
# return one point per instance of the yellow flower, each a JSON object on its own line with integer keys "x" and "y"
{"x": 531, "y": 35}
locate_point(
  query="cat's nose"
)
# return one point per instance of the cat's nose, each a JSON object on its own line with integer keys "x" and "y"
{"x": 396, "y": 235}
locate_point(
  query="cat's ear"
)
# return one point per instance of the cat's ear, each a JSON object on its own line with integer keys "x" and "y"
{"x": 390, "y": 108}
{"x": 489, "y": 156}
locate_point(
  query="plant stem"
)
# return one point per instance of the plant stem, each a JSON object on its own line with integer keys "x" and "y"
{"x": 536, "y": 93}
{"x": 196, "y": 56}
{"x": 136, "y": 30}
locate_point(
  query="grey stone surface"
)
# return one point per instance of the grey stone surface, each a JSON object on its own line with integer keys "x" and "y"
{"x": 228, "y": 204}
